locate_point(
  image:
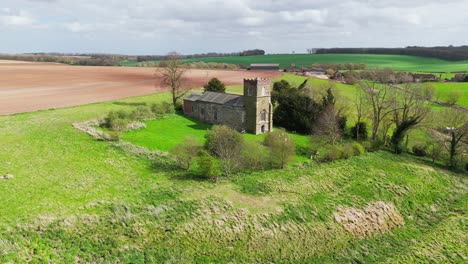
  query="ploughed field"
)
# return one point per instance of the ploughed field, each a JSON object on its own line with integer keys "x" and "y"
{"x": 26, "y": 86}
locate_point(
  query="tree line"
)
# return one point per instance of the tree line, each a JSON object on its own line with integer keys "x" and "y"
{"x": 252, "y": 52}
{"x": 85, "y": 60}
{"x": 450, "y": 53}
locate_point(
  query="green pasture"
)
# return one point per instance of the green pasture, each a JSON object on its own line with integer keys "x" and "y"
{"x": 444, "y": 88}
{"x": 74, "y": 199}
{"x": 396, "y": 62}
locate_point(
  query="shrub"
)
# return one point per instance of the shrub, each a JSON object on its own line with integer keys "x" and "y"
{"x": 282, "y": 148}
{"x": 208, "y": 166}
{"x": 114, "y": 119}
{"x": 157, "y": 110}
{"x": 358, "y": 149}
{"x": 141, "y": 113}
{"x": 334, "y": 153}
{"x": 118, "y": 124}
{"x": 419, "y": 151}
{"x": 255, "y": 156}
{"x": 186, "y": 151}
{"x": 359, "y": 131}
{"x": 226, "y": 144}
{"x": 347, "y": 151}
{"x": 167, "y": 108}
{"x": 372, "y": 146}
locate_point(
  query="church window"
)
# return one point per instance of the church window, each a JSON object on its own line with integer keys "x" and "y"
{"x": 263, "y": 91}
{"x": 216, "y": 115}
{"x": 263, "y": 115}
{"x": 249, "y": 91}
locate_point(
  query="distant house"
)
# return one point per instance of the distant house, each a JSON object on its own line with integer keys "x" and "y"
{"x": 337, "y": 76}
{"x": 312, "y": 70}
{"x": 419, "y": 77}
{"x": 252, "y": 112}
{"x": 459, "y": 77}
{"x": 264, "y": 67}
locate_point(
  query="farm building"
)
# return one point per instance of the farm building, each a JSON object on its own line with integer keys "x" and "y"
{"x": 251, "y": 112}
{"x": 264, "y": 67}
{"x": 313, "y": 70}
{"x": 423, "y": 77}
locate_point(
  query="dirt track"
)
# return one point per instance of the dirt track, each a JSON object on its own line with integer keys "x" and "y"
{"x": 28, "y": 87}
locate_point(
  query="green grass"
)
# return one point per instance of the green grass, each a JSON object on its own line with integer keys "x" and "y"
{"x": 444, "y": 88}
{"x": 165, "y": 133}
{"x": 75, "y": 199}
{"x": 396, "y": 62}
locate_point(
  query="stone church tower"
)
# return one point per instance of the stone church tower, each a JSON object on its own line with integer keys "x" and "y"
{"x": 257, "y": 104}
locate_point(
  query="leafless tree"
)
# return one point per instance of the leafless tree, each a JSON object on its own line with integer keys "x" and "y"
{"x": 361, "y": 109}
{"x": 380, "y": 96}
{"x": 226, "y": 144}
{"x": 456, "y": 127}
{"x": 281, "y": 147}
{"x": 410, "y": 107}
{"x": 185, "y": 152}
{"x": 173, "y": 77}
{"x": 327, "y": 124}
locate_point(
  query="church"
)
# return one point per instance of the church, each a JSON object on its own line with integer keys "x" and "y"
{"x": 251, "y": 112}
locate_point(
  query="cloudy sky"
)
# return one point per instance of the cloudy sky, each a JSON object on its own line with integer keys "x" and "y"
{"x": 197, "y": 26}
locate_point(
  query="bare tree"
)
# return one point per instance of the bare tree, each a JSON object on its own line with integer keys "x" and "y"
{"x": 361, "y": 109}
{"x": 173, "y": 76}
{"x": 185, "y": 152}
{"x": 456, "y": 126}
{"x": 380, "y": 96}
{"x": 410, "y": 108}
{"x": 327, "y": 124}
{"x": 282, "y": 148}
{"x": 226, "y": 144}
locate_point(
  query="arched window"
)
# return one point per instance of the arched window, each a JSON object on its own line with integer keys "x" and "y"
{"x": 263, "y": 114}
{"x": 216, "y": 115}
{"x": 249, "y": 91}
{"x": 263, "y": 91}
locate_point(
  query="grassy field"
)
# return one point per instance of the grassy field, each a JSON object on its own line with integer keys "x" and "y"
{"x": 396, "y": 62}
{"x": 444, "y": 88}
{"x": 75, "y": 199}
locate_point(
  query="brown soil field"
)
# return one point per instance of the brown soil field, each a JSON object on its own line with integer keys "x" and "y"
{"x": 26, "y": 87}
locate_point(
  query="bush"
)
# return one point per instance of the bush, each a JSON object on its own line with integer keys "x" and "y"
{"x": 226, "y": 144}
{"x": 419, "y": 151}
{"x": 141, "y": 113}
{"x": 208, "y": 166}
{"x": 282, "y": 148}
{"x": 334, "y": 153}
{"x": 359, "y": 131}
{"x": 358, "y": 149}
{"x": 347, "y": 151}
{"x": 372, "y": 146}
{"x": 167, "y": 108}
{"x": 186, "y": 151}
{"x": 255, "y": 156}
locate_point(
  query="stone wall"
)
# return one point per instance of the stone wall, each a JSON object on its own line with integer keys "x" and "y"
{"x": 220, "y": 114}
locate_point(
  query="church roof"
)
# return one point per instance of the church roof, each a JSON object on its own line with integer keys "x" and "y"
{"x": 219, "y": 98}
{"x": 193, "y": 97}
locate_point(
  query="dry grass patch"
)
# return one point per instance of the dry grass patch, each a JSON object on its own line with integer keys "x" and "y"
{"x": 377, "y": 217}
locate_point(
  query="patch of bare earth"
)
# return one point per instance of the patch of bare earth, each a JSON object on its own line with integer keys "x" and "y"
{"x": 377, "y": 217}
{"x": 28, "y": 87}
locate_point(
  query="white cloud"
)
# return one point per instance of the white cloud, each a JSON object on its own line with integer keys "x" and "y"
{"x": 191, "y": 26}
